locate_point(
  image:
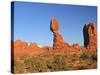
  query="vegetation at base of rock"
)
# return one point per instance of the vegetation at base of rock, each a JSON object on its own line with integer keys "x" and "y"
{"x": 30, "y": 64}
{"x": 89, "y": 55}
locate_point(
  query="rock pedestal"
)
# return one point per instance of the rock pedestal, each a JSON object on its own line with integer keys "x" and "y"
{"x": 58, "y": 42}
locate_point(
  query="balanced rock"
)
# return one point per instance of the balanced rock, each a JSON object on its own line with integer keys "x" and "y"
{"x": 90, "y": 36}
{"x": 54, "y": 25}
{"x": 58, "y": 41}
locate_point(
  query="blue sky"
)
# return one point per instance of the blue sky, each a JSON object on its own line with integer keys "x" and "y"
{"x": 32, "y": 21}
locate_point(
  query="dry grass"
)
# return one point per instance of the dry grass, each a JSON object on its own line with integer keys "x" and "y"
{"x": 33, "y": 64}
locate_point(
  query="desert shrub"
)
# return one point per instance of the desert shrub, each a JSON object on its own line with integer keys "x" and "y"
{"x": 31, "y": 64}
{"x": 19, "y": 66}
{"x": 88, "y": 55}
{"x": 44, "y": 64}
{"x": 94, "y": 56}
{"x": 58, "y": 63}
{"x": 84, "y": 55}
{"x": 35, "y": 64}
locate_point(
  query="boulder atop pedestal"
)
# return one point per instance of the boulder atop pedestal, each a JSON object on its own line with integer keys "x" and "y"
{"x": 58, "y": 42}
{"x": 54, "y": 25}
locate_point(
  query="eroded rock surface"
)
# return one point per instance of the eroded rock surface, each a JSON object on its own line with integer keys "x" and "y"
{"x": 90, "y": 36}
{"x": 58, "y": 42}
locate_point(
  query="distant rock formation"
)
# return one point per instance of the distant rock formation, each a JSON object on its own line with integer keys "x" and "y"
{"x": 58, "y": 42}
{"x": 21, "y": 48}
{"x": 20, "y": 45}
{"x": 90, "y": 36}
{"x": 33, "y": 46}
{"x": 76, "y": 46}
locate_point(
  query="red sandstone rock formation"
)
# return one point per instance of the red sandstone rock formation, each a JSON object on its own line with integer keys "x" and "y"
{"x": 76, "y": 46}
{"x": 21, "y": 48}
{"x": 54, "y": 25}
{"x": 33, "y": 46}
{"x": 18, "y": 47}
{"x": 90, "y": 36}
{"x": 60, "y": 47}
{"x": 58, "y": 42}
